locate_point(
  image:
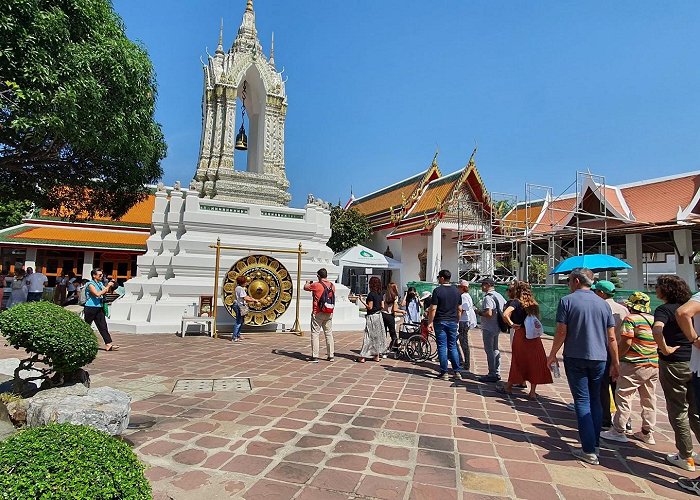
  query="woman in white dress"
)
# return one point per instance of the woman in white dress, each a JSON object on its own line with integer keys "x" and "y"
{"x": 19, "y": 289}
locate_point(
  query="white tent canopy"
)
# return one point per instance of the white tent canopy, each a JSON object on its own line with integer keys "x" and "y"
{"x": 361, "y": 256}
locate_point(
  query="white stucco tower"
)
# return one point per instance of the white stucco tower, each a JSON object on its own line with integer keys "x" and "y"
{"x": 246, "y": 207}
{"x": 243, "y": 76}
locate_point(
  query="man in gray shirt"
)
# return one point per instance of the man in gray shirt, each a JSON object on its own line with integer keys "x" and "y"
{"x": 492, "y": 305}
{"x": 586, "y": 329}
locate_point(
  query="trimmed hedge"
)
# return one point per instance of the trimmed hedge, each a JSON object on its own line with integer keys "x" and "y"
{"x": 64, "y": 340}
{"x": 60, "y": 461}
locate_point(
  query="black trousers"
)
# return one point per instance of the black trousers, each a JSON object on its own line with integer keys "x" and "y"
{"x": 97, "y": 315}
{"x": 390, "y": 326}
{"x": 606, "y": 385}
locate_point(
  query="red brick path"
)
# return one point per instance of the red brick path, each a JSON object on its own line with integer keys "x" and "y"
{"x": 347, "y": 430}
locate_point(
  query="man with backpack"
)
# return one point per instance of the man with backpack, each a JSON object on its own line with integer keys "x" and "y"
{"x": 492, "y": 325}
{"x": 323, "y": 293}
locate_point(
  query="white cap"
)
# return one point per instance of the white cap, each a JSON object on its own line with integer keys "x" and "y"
{"x": 464, "y": 283}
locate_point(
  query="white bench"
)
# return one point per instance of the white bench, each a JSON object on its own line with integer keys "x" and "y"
{"x": 203, "y": 321}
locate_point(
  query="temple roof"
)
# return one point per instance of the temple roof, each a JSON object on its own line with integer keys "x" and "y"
{"x": 660, "y": 201}
{"x": 71, "y": 237}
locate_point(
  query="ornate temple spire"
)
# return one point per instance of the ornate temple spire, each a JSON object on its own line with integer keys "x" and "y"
{"x": 272, "y": 50}
{"x": 220, "y": 47}
{"x": 247, "y": 37}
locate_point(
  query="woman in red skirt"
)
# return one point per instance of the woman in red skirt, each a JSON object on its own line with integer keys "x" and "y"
{"x": 528, "y": 360}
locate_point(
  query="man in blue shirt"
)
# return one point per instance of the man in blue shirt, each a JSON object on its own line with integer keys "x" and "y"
{"x": 443, "y": 318}
{"x": 586, "y": 329}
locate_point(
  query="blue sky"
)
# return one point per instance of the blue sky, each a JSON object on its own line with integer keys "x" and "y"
{"x": 545, "y": 88}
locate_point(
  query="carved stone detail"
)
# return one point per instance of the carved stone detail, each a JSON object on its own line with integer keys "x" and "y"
{"x": 216, "y": 175}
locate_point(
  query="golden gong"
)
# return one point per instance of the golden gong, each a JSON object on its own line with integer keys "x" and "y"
{"x": 267, "y": 281}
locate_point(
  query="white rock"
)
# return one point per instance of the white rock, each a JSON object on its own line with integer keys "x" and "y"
{"x": 103, "y": 408}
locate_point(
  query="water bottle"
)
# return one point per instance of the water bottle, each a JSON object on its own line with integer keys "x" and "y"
{"x": 555, "y": 369}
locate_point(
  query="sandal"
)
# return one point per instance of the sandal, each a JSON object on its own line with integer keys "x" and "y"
{"x": 360, "y": 360}
{"x": 112, "y": 348}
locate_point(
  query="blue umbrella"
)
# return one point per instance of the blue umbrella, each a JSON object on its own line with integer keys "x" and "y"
{"x": 595, "y": 262}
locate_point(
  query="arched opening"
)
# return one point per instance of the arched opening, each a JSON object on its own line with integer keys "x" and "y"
{"x": 254, "y": 121}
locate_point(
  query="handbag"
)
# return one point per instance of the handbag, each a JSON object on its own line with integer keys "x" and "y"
{"x": 533, "y": 327}
{"x": 243, "y": 309}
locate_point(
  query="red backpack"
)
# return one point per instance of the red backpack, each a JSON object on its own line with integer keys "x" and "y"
{"x": 326, "y": 304}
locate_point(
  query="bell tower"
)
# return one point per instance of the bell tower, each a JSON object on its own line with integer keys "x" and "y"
{"x": 243, "y": 78}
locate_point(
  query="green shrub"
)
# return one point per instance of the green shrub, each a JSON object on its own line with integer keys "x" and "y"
{"x": 54, "y": 336}
{"x": 60, "y": 461}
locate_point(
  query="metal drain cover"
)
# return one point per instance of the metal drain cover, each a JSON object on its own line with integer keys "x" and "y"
{"x": 232, "y": 384}
{"x": 215, "y": 385}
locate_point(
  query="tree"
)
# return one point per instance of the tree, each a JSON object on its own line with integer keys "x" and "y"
{"x": 12, "y": 212}
{"x": 348, "y": 228}
{"x": 77, "y": 101}
{"x": 537, "y": 270}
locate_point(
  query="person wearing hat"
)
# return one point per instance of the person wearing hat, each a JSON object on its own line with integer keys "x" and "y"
{"x": 492, "y": 305}
{"x": 639, "y": 371}
{"x": 606, "y": 291}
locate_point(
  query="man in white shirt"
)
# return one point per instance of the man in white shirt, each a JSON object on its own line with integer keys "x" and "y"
{"x": 35, "y": 285}
{"x": 688, "y": 319}
{"x": 466, "y": 321}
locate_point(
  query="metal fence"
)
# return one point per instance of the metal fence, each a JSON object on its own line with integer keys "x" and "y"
{"x": 547, "y": 296}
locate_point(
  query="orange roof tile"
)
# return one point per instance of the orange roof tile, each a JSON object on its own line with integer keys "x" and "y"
{"x": 69, "y": 236}
{"x": 391, "y": 196}
{"x": 436, "y": 194}
{"x": 657, "y": 202}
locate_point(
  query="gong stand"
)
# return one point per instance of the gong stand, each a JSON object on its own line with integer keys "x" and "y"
{"x": 299, "y": 252}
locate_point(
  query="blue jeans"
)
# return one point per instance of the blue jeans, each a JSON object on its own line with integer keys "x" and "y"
{"x": 446, "y": 338}
{"x": 493, "y": 354}
{"x": 237, "y": 323}
{"x": 585, "y": 377}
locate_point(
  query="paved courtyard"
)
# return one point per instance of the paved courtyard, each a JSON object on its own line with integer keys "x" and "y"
{"x": 346, "y": 430}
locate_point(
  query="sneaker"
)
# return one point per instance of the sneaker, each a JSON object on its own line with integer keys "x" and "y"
{"x": 613, "y": 435}
{"x": 684, "y": 463}
{"x": 313, "y": 360}
{"x": 331, "y": 359}
{"x": 589, "y": 458}
{"x": 458, "y": 377}
{"x": 690, "y": 484}
{"x": 442, "y": 376}
{"x": 488, "y": 378}
{"x": 644, "y": 438}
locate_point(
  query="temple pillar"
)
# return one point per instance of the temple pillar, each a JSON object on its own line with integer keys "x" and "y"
{"x": 88, "y": 263}
{"x": 683, "y": 239}
{"x": 553, "y": 258}
{"x": 30, "y": 258}
{"x": 633, "y": 251}
{"x": 434, "y": 260}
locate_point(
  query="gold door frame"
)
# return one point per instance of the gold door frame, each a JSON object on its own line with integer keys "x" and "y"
{"x": 296, "y": 328}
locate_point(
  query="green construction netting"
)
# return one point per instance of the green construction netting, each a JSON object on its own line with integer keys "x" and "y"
{"x": 547, "y": 295}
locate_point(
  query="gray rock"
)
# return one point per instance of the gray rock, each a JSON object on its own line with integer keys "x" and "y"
{"x": 103, "y": 408}
{"x": 6, "y": 427}
{"x": 17, "y": 411}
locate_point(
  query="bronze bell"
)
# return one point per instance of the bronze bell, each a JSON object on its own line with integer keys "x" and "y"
{"x": 241, "y": 139}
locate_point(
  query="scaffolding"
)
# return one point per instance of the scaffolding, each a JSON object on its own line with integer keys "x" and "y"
{"x": 486, "y": 245}
{"x": 551, "y": 229}
{"x": 573, "y": 224}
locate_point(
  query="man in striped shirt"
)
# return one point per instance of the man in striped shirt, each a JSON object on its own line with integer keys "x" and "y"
{"x": 639, "y": 371}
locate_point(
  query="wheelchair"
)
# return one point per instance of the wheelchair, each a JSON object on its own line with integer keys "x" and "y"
{"x": 417, "y": 344}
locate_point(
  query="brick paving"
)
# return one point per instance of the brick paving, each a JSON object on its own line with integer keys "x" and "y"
{"x": 344, "y": 430}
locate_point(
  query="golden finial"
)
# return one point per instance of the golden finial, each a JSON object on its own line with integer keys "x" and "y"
{"x": 249, "y": 6}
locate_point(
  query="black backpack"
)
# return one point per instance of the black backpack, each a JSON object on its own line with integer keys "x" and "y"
{"x": 326, "y": 304}
{"x": 499, "y": 315}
